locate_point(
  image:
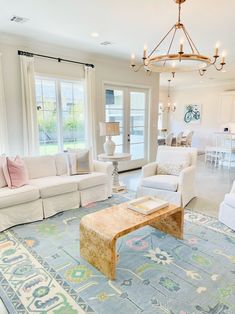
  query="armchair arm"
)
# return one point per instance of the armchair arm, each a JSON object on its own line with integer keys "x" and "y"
{"x": 230, "y": 199}
{"x": 104, "y": 167}
{"x": 149, "y": 170}
{"x": 187, "y": 184}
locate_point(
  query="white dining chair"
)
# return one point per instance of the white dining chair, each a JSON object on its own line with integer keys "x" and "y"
{"x": 168, "y": 140}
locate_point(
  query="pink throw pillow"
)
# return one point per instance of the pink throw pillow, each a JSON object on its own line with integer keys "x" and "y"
{"x": 15, "y": 172}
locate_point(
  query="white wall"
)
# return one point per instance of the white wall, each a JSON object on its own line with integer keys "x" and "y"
{"x": 210, "y": 99}
{"x": 111, "y": 70}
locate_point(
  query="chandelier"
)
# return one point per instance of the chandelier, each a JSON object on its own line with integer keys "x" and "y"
{"x": 178, "y": 60}
{"x": 169, "y": 107}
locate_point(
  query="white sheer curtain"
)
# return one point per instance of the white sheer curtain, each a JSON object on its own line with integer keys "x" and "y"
{"x": 3, "y": 116}
{"x": 90, "y": 108}
{"x": 29, "y": 110}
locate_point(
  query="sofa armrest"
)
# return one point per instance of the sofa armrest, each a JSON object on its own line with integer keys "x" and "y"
{"x": 149, "y": 170}
{"x": 187, "y": 184}
{"x": 104, "y": 167}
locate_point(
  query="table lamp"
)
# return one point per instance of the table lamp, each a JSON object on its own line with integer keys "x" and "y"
{"x": 109, "y": 129}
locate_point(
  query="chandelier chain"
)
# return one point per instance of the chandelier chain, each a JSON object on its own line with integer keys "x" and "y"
{"x": 179, "y": 15}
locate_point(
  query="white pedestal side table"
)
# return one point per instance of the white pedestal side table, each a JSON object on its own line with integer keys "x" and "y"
{"x": 117, "y": 187}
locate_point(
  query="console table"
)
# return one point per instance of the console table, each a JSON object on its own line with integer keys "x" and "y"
{"x": 115, "y": 159}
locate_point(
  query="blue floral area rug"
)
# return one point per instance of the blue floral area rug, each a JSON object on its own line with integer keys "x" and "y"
{"x": 41, "y": 270}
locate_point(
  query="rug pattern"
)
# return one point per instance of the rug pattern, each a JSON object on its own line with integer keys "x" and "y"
{"x": 41, "y": 270}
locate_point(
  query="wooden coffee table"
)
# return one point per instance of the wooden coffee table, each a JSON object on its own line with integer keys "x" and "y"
{"x": 99, "y": 232}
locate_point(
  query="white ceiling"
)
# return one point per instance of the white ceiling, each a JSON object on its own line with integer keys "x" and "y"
{"x": 128, "y": 24}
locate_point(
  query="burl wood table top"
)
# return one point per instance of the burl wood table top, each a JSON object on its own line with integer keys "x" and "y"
{"x": 118, "y": 220}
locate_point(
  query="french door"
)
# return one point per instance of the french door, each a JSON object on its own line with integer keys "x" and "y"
{"x": 129, "y": 107}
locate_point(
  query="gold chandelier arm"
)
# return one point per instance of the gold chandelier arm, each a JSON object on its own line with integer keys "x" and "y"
{"x": 161, "y": 41}
{"x": 202, "y": 72}
{"x": 219, "y": 68}
{"x": 136, "y": 69}
{"x": 169, "y": 49}
{"x": 190, "y": 41}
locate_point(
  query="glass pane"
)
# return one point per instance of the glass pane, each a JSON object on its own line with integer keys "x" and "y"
{"x": 47, "y": 122}
{"x": 137, "y": 151}
{"x": 114, "y": 113}
{"x": 73, "y": 115}
{"x": 137, "y": 100}
{"x": 47, "y": 116}
{"x": 137, "y": 118}
{"x": 115, "y": 116}
{"x": 137, "y": 135}
{"x": 137, "y": 125}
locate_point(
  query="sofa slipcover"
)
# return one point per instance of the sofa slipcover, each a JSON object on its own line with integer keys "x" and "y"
{"x": 52, "y": 186}
{"x": 12, "y": 197}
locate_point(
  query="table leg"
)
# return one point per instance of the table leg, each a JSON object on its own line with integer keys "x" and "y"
{"x": 98, "y": 251}
{"x": 115, "y": 174}
{"x": 173, "y": 224}
{"x": 116, "y": 184}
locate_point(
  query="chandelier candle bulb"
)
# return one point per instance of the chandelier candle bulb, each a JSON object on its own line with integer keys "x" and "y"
{"x": 132, "y": 60}
{"x": 145, "y": 52}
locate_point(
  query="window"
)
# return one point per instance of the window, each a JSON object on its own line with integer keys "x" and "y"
{"x": 61, "y": 114}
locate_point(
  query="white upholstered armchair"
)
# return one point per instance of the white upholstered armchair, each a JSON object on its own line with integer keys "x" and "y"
{"x": 172, "y": 176}
{"x": 227, "y": 209}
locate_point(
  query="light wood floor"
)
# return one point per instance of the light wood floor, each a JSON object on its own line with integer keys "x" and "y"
{"x": 211, "y": 186}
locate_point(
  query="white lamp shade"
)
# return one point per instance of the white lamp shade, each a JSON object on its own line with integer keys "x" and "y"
{"x": 109, "y": 128}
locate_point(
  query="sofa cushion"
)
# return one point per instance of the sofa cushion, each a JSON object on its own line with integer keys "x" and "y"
{"x": 24, "y": 194}
{"x": 79, "y": 163}
{"x": 86, "y": 181}
{"x": 2, "y": 177}
{"x": 52, "y": 186}
{"x": 39, "y": 167}
{"x": 61, "y": 164}
{"x": 161, "y": 182}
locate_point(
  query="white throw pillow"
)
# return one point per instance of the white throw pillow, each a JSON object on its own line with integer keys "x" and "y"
{"x": 170, "y": 169}
{"x": 79, "y": 161}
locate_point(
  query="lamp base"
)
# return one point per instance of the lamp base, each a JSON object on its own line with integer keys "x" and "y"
{"x": 109, "y": 147}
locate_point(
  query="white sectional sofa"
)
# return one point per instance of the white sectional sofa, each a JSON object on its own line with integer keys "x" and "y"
{"x": 52, "y": 190}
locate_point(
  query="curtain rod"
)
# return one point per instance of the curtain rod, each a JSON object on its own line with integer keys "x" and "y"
{"x": 30, "y": 54}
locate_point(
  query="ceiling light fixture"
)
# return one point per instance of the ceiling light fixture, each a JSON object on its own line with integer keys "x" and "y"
{"x": 95, "y": 35}
{"x": 179, "y": 60}
{"x": 170, "y": 106}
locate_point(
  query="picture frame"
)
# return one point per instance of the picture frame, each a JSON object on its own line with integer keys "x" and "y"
{"x": 192, "y": 114}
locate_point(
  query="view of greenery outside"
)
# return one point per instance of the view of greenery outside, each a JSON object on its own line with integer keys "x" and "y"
{"x": 61, "y": 121}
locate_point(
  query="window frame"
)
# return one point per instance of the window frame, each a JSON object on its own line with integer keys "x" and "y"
{"x": 59, "y": 105}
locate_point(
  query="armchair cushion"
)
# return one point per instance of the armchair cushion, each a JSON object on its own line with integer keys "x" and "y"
{"x": 174, "y": 157}
{"x": 161, "y": 182}
{"x": 170, "y": 169}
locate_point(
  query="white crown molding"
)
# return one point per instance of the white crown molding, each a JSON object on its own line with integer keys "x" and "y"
{"x": 206, "y": 85}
